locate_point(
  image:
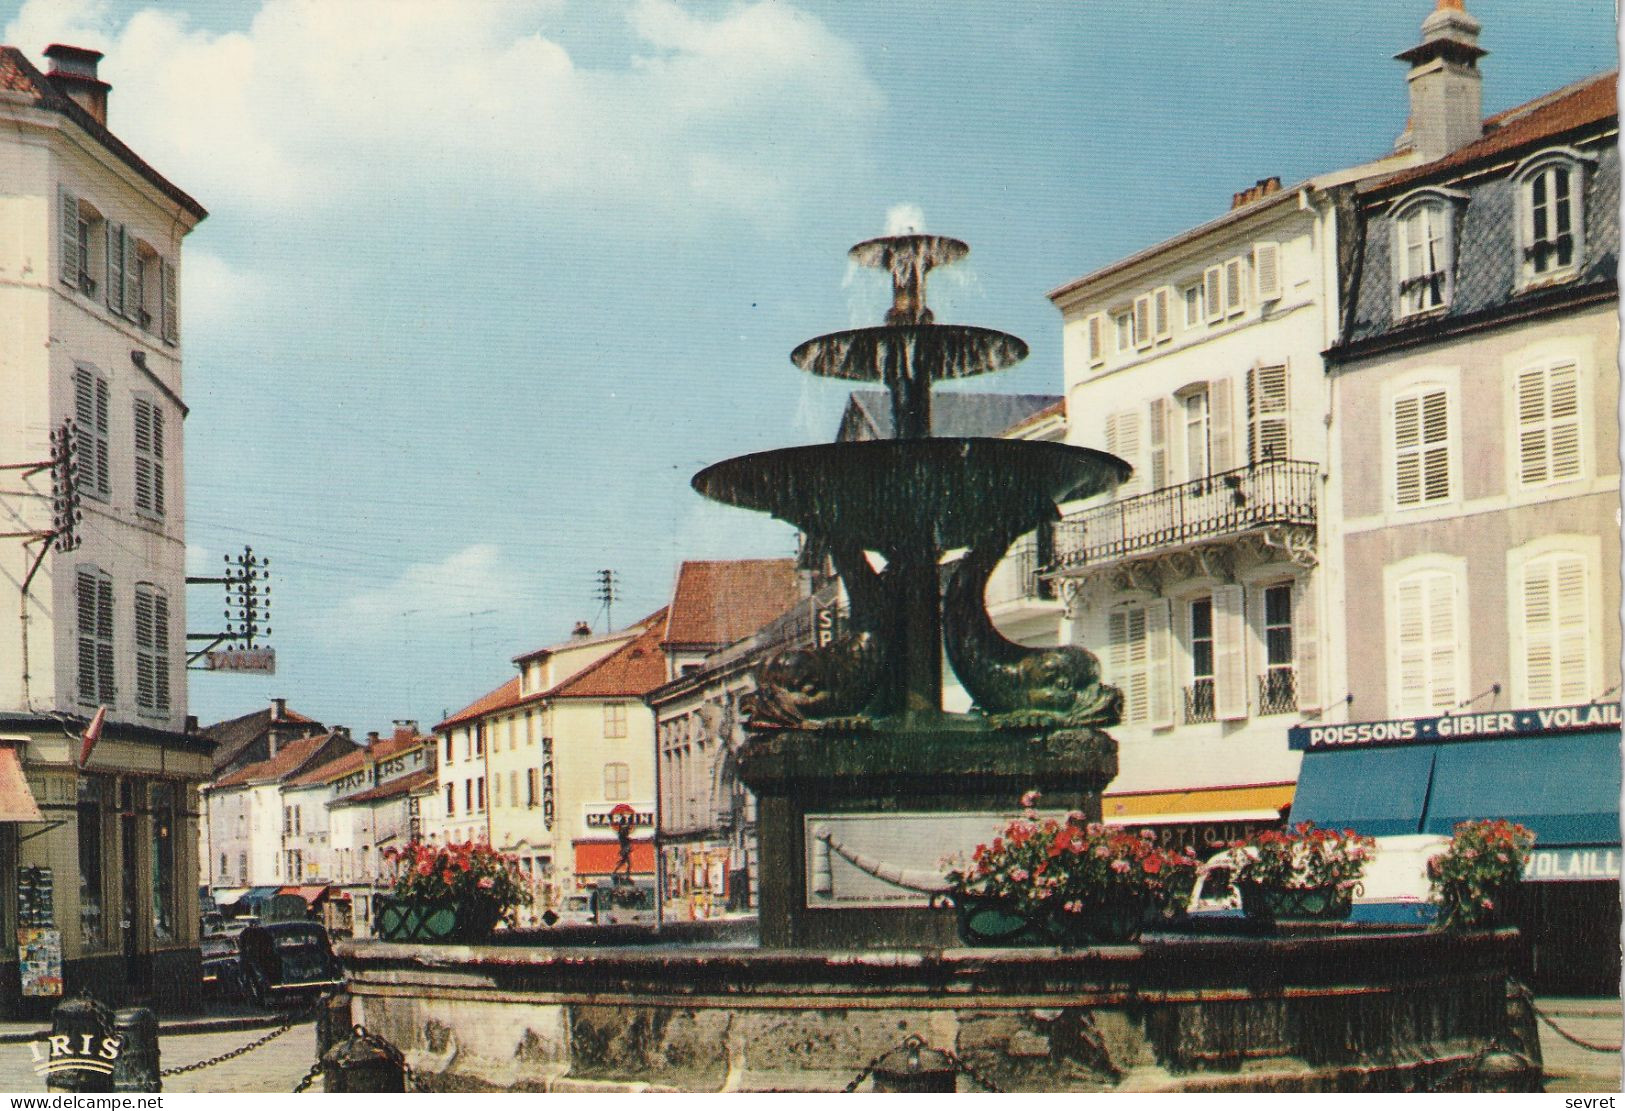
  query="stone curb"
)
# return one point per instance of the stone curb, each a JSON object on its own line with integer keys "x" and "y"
{"x": 221, "y": 1025}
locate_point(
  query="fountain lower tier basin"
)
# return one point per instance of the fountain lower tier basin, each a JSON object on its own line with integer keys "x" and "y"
{"x": 898, "y": 495}
{"x": 1333, "y": 1012}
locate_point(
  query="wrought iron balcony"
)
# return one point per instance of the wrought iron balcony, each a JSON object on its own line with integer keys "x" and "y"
{"x": 1199, "y": 702}
{"x": 1278, "y": 492}
{"x": 1018, "y": 578}
{"x": 1278, "y": 691}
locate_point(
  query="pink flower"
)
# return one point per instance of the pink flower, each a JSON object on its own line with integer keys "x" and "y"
{"x": 1073, "y": 906}
{"x": 1018, "y": 874}
{"x": 1031, "y": 798}
{"x": 1120, "y": 865}
{"x": 486, "y": 883}
{"x": 1076, "y": 817}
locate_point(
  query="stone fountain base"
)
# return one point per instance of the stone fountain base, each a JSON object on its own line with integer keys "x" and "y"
{"x": 1332, "y": 1012}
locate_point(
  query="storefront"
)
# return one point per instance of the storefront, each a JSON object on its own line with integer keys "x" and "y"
{"x": 1201, "y": 821}
{"x": 705, "y": 880}
{"x": 1555, "y": 770}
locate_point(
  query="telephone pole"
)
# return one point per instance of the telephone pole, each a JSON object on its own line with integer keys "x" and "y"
{"x": 247, "y": 580}
{"x": 607, "y": 591}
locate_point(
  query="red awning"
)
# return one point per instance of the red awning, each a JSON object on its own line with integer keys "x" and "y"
{"x": 16, "y": 800}
{"x": 308, "y": 893}
{"x": 599, "y": 858}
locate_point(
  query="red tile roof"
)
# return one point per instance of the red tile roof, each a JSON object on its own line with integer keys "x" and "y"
{"x": 289, "y": 760}
{"x": 1057, "y": 409}
{"x": 328, "y": 772}
{"x": 632, "y": 670}
{"x": 19, "y": 75}
{"x": 1585, "y": 102}
{"x": 500, "y": 699}
{"x": 718, "y": 602}
{"x": 398, "y": 786}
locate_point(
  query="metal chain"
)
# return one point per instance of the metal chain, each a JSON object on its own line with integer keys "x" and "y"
{"x": 863, "y": 1074}
{"x": 970, "y": 1070}
{"x": 1568, "y": 1037}
{"x": 914, "y": 1041}
{"x": 292, "y": 1020}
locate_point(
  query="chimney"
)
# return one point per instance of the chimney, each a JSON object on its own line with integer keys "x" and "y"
{"x": 279, "y": 709}
{"x": 581, "y": 631}
{"x": 1446, "y": 87}
{"x": 73, "y": 72}
{"x": 1263, "y": 187}
{"x": 372, "y": 737}
{"x": 405, "y": 729}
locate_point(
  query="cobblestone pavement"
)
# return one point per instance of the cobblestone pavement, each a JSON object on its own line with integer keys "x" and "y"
{"x": 276, "y": 1067}
{"x": 1571, "y": 1068}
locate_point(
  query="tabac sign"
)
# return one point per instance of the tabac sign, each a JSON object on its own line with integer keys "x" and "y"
{"x": 241, "y": 659}
{"x": 1456, "y": 727}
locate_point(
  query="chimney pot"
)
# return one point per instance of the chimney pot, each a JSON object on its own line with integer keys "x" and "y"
{"x": 582, "y": 629}
{"x": 73, "y": 72}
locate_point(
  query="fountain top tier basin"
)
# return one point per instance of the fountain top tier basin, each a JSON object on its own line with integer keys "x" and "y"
{"x": 889, "y": 495}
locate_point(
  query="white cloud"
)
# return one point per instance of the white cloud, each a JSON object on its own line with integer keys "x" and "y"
{"x": 321, "y": 104}
{"x": 214, "y": 291}
{"x": 471, "y": 579}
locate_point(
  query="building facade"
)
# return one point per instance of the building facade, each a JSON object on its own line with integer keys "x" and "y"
{"x": 90, "y": 241}
{"x": 1475, "y": 401}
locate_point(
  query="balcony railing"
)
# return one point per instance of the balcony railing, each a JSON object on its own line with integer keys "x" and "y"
{"x": 1279, "y": 492}
{"x": 1278, "y": 691}
{"x": 1199, "y": 702}
{"x": 1017, "y": 578}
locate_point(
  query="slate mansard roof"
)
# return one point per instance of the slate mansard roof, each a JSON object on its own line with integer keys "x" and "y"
{"x": 1486, "y": 259}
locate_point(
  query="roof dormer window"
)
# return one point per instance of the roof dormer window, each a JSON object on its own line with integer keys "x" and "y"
{"x": 1424, "y": 249}
{"x": 1551, "y": 200}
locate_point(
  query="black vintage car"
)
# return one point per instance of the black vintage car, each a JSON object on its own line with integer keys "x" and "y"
{"x": 286, "y": 962}
{"x": 222, "y": 968}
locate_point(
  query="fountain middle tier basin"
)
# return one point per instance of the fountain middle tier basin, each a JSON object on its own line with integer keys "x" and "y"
{"x": 1319, "y": 1012}
{"x": 890, "y": 495}
{"x": 937, "y": 351}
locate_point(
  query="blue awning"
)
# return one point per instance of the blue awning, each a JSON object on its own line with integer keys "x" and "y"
{"x": 260, "y": 894}
{"x": 1564, "y": 787}
{"x": 1377, "y": 791}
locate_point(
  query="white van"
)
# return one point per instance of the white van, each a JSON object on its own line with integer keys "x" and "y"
{"x": 1394, "y": 889}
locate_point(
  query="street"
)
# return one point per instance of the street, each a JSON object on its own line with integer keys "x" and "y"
{"x": 275, "y": 1067}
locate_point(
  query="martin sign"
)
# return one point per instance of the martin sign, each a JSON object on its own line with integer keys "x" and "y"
{"x": 598, "y": 818}
{"x": 1456, "y": 727}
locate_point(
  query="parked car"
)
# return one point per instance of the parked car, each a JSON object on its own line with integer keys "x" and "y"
{"x": 286, "y": 961}
{"x": 222, "y": 965}
{"x": 1393, "y": 890}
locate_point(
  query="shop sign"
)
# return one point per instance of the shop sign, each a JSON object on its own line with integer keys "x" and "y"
{"x": 1456, "y": 727}
{"x": 1199, "y": 837}
{"x": 825, "y": 625}
{"x": 241, "y": 659}
{"x": 597, "y": 817}
{"x": 1554, "y": 865}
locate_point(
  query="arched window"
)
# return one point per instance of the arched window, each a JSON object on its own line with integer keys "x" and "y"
{"x": 1424, "y": 253}
{"x": 1551, "y": 211}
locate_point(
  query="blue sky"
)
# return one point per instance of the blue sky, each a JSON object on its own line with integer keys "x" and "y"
{"x": 484, "y": 284}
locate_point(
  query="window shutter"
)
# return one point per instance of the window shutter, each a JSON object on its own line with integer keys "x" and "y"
{"x": 1305, "y": 646}
{"x": 1436, "y": 457}
{"x": 1142, "y": 321}
{"x": 115, "y": 267}
{"x": 1220, "y": 437}
{"x": 1556, "y": 631}
{"x": 1229, "y": 654}
{"x": 85, "y": 604}
{"x": 1233, "y": 298}
{"x": 1123, "y": 440}
{"x": 1095, "y": 328}
{"x": 1444, "y": 693}
{"x": 1564, "y": 399}
{"x": 145, "y": 686}
{"x": 1126, "y": 634}
{"x": 157, "y": 479}
{"x": 132, "y": 278}
{"x": 1426, "y": 658}
{"x": 1159, "y": 443}
{"x": 1268, "y": 414}
{"x": 1162, "y": 318}
{"x": 1548, "y": 424}
{"x": 1213, "y": 292}
{"x": 169, "y": 303}
{"x": 1159, "y": 663}
{"x": 143, "y": 451}
{"x": 72, "y": 264}
{"x": 1267, "y": 270}
{"x": 160, "y": 651}
{"x": 104, "y": 634}
{"x": 1421, "y": 448}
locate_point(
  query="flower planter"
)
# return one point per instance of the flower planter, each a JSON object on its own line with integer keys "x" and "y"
{"x": 992, "y": 921}
{"x": 1292, "y": 904}
{"x": 448, "y": 921}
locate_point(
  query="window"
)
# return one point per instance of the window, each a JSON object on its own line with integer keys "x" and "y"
{"x": 1551, "y": 228}
{"x": 1267, "y": 271}
{"x": 1192, "y": 295}
{"x": 614, "y": 719}
{"x": 1424, "y": 257}
{"x": 530, "y": 727}
{"x": 90, "y": 415}
{"x": 1142, "y": 321}
{"x": 94, "y": 607}
{"x": 1095, "y": 338}
{"x": 1426, "y": 633}
{"x": 287, "y": 820}
{"x": 479, "y": 792}
{"x": 1194, "y": 414}
{"x": 1421, "y": 448}
{"x": 1277, "y": 687}
{"x": 151, "y": 649}
{"x": 242, "y": 867}
{"x": 448, "y": 748}
{"x": 496, "y": 790}
{"x": 1123, "y": 324}
{"x": 161, "y": 801}
{"x": 1268, "y": 414}
{"x": 80, "y": 228}
{"x": 1138, "y": 638}
{"x": 451, "y": 797}
{"x": 1199, "y": 695}
{"x": 149, "y": 458}
{"x": 532, "y": 787}
{"x": 168, "y": 303}
{"x": 468, "y": 795}
{"x": 222, "y": 866}
{"x": 1548, "y": 424}
{"x": 1555, "y": 660}
{"x": 91, "y": 884}
{"x": 513, "y": 788}
{"x": 476, "y": 739}
{"x": 123, "y": 292}
{"x": 617, "y": 781}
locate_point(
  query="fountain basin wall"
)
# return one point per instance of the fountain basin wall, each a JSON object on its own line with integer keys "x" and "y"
{"x": 1381, "y": 1012}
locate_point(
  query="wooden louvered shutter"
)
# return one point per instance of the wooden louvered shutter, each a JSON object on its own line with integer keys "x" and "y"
{"x": 1267, "y": 270}
{"x": 85, "y": 607}
{"x": 169, "y": 303}
{"x": 1436, "y": 453}
{"x": 1268, "y": 414}
{"x": 160, "y": 651}
{"x": 1161, "y": 317}
{"x": 1213, "y": 292}
{"x": 1126, "y": 639}
{"x": 1421, "y": 448}
{"x": 1233, "y": 296}
{"x": 1556, "y": 631}
{"x": 1159, "y": 443}
{"x": 132, "y": 277}
{"x": 1095, "y": 328}
{"x": 145, "y": 684}
{"x": 157, "y": 479}
{"x": 1229, "y": 654}
{"x": 104, "y": 635}
{"x": 1221, "y": 438}
{"x": 104, "y": 482}
{"x": 1306, "y": 646}
{"x": 1159, "y": 663}
{"x": 68, "y": 214}
{"x": 1426, "y": 624}
{"x": 1123, "y": 440}
{"x": 1142, "y": 321}
{"x": 1548, "y": 424}
{"x": 115, "y": 267}
{"x": 143, "y": 454}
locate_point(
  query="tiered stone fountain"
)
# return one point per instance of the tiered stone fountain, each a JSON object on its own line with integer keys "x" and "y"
{"x": 864, "y": 783}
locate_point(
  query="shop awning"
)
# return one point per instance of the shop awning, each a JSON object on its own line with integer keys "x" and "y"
{"x": 1379, "y": 792}
{"x": 259, "y": 894}
{"x": 225, "y": 896}
{"x": 1565, "y": 788}
{"x": 16, "y": 800}
{"x": 307, "y": 892}
{"x": 599, "y": 858}
{"x": 1218, "y": 804}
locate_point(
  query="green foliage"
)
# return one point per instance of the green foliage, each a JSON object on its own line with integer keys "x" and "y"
{"x": 1471, "y": 879}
